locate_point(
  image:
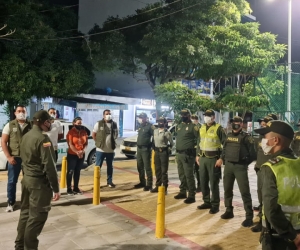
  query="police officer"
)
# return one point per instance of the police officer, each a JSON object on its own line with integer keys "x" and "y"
{"x": 238, "y": 153}
{"x": 261, "y": 158}
{"x": 162, "y": 141}
{"x": 296, "y": 141}
{"x": 187, "y": 136}
{"x": 212, "y": 136}
{"x": 280, "y": 189}
{"x": 38, "y": 183}
{"x": 273, "y": 116}
{"x": 143, "y": 157}
{"x": 195, "y": 120}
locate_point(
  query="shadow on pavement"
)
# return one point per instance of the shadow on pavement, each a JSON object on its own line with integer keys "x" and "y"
{"x": 153, "y": 247}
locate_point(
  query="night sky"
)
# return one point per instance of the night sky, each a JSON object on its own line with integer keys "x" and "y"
{"x": 273, "y": 17}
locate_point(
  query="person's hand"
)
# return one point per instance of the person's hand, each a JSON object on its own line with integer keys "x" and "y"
{"x": 297, "y": 241}
{"x": 56, "y": 196}
{"x": 11, "y": 160}
{"x": 198, "y": 160}
{"x": 219, "y": 163}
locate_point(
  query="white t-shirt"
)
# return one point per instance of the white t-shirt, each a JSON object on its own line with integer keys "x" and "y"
{"x": 6, "y": 129}
{"x": 107, "y": 147}
{"x": 56, "y": 129}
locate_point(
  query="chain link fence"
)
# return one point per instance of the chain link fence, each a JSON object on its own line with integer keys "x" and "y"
{"x": 278, "y": 93}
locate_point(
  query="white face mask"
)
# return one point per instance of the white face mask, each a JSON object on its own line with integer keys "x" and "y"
{"x": 266, "y": 148}
{"x": 207, "y": 119}
{"x": 53, "y": 116}
{"x": 193, "y": 121}
{"x": 20, "y": 116}
{"x": 108, "y": 117}
{"x": 140, "y": 120}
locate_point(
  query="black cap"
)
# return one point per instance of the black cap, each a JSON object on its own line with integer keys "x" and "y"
{"x": 41, "y": 116}
{"x": 209, "y": 112}
{"x": 161, "y": 120}
{"x": 142, "y": 115}
{"x": 185, "y": 112}
{"x": 236, "y": 119}
{"x": 266, "y": 119}
{"x": 279, "y": 127}
{"x": 195, "y": 117}
{"x": 273, "y": 116}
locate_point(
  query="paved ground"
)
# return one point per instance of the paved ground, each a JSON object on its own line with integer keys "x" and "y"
{"x": 125, "y": 219}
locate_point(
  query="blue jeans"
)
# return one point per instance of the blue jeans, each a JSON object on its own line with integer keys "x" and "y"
{"x": 100, "y": 156}
{"x": 13, "y": 175}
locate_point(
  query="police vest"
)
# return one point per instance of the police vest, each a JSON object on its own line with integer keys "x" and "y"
{"x": 235, "y": 147}
{"x": 287, "y": 173}
{"x": 15, "y": 136}
{"x": 209, "y": 140}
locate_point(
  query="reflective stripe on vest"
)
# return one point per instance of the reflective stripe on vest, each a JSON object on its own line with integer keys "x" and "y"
{"x": 287, "y": 173}
{"x": 209, "y": 140}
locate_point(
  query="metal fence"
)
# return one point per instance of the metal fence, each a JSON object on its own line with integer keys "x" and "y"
{"x": 278, "y": 93}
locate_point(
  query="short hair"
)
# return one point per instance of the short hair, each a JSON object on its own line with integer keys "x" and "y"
{"x": 19, "y": 106}
{"x": 106, "y": 110}
{"x": 285, "y": 142}
{"x": 51, "y": 109}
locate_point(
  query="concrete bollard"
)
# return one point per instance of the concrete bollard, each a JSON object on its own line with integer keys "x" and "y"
{"x": 160, "y": 213}
{"x": 96, "y": 191}
{"x": 152, "y": 162}
{"x": 63, "y": 172}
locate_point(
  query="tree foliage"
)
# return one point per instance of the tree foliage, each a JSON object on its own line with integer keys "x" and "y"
{"x": 185, "y": 39}
{"x": 33, "y": 62}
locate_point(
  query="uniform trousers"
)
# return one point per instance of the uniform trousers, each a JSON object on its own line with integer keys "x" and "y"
{"x": 239, "y": 172}
{"x": 35, "y": 205}
{"x": 185, "y": 166}
{"x": 143, "y": 157}
{"x": 161, "y": 160}
{"x": 209, "y": 180}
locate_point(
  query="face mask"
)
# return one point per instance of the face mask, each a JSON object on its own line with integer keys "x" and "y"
{"x": 236, "y": 126}
{"x": 140, "y": 120}
{"x": 53, "y": 116}
{"x": 78, "y": 127}
{"x": 20, "y": 116}
{"x": 266, "y": 148}
{"x": 161, "y": 125}
{"x": 207, "y": 119}
{"x": 108, "y": 117}
{"x": 184, "y": 118}
{"x": 193, "y": 121}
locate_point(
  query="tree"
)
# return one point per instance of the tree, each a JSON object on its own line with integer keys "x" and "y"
{"x": 183, "y": 40}
{"x": 33, "y": 61}
{"x": 179, "y": 97}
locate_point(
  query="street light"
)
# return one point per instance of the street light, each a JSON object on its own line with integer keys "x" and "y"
{"x": 289, "y": 88}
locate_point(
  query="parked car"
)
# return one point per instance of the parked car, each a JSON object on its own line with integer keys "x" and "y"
{"x": 129, "y": 144}
{"x": 90, "y": 155}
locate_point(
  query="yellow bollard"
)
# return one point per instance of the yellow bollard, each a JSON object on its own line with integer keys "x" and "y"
{"x": 96, "y": 191}
{"x": 63, "y": 172}
{"x": 160, "y": 213}
{"x": 152, "y": 162}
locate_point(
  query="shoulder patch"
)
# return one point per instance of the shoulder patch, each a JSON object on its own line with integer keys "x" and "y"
{"x": 153, "y": 127}
{"x": 274, "y": 161}
{"x": 46, "y": 144}
{"x": 196, "y": 128}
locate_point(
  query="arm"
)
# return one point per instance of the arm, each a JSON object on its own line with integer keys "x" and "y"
{"x": 170, "y": 139}
{"x": 222, "y": 136}
{"x": 251, "y": 149}
{"x": 95, "y": 129}
{"x": 116, "y": 135}
{"x": 4, "y": 143}
{"x": 272, "y": 209}
{"x": 47, "y": 158}
{"x": 60, "y": 132}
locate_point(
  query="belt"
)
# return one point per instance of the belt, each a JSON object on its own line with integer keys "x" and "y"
{"x": 143, "y": 146}
{"x": 209, "y": 153}
{"x": 161, "y": 149}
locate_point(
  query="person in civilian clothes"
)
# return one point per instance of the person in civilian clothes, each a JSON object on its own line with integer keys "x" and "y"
{"x": 105, "y": 134}
{"x": 162, "y": 141}
{"x": 77, "y": 139}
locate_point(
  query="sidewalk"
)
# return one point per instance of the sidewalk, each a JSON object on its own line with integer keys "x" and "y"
{"x": 125, "y": 219}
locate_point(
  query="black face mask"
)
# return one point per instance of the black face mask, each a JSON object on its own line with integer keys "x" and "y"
{"x": 78, "y": 127}
{"x": 184, "y": 118}
{"x": 236, "y": 126}
{"x": 161, "y": 125}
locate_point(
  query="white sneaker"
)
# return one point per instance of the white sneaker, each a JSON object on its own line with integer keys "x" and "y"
{"x": 10, "y": 208}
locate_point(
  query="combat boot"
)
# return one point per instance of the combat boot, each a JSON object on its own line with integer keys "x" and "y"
{"x": 180, "y": 196}
{"x": 257, "y": 228}
{"x": 154, "y": 190}
{"x": 189, "y": 200}
{"x": 247, "y": 223}
{"x": 227, "y": 215}
{"x": 204, "y": 206}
